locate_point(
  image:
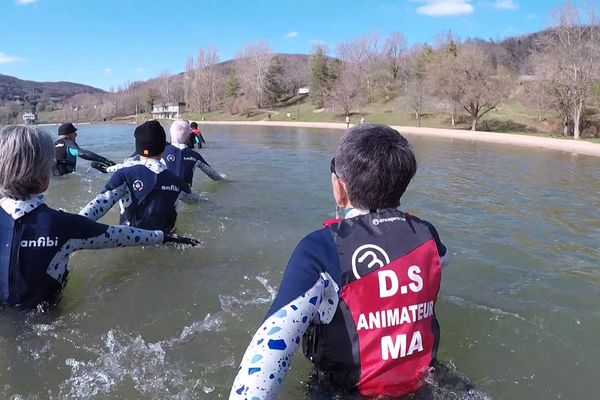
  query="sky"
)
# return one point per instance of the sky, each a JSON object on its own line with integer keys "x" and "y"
{"x": 105, "y": 43}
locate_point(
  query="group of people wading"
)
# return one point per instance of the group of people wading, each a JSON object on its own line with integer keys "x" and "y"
{"x": 359, "y": 294}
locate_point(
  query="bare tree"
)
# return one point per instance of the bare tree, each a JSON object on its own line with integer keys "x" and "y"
{"x": 482, "y": 87}
{"x": 362, "y": 57}
{"x": 251, "y": 66}
{"x": 165, "y": 87}
{"x": 568, "y": 59}
{"x": 442, "y": 70}
{"x": 206, "y": 79}
{"x": 345, "y": 94}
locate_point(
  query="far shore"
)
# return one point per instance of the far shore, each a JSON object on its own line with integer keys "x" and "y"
{"x": 564, "y": 145}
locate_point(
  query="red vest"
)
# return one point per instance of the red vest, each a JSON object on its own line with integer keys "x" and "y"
{"x": 384, "y": 335}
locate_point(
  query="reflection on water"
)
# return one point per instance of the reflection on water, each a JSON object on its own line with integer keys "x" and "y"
{"x": 519, "y": 306}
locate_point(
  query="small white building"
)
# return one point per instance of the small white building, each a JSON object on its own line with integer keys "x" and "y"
{"x": 168, "y": 110}
{"x": 29, "y": 118}
{"x": 304, "y": 90}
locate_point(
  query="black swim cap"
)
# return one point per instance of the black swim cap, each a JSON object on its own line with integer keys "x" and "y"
{"x": 150, "y": 139}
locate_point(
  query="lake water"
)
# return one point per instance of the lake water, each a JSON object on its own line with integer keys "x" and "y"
{"x": 519, "y": 306}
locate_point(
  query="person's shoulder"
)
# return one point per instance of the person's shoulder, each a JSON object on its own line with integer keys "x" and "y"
{"x": 317, "y": 243}
{"x": 426, "y": 226}
{"x": 414, "y": 220}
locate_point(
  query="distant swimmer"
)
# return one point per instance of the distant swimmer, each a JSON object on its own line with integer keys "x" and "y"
{"x": 146, "y": 190}
{"x": 67, "y": 150}
{"x": 182, "y": 160}
{"x": 195, "y": 137}
{"x": 360, "y": 293}
{"x": 35, "y": 240}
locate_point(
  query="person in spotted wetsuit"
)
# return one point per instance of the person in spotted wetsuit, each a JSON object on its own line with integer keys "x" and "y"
{"x": 66, "y": 151}
{"x": 35, "y": 240}
{"x": 359, "y": 295}
{"x": 147, "y": 192}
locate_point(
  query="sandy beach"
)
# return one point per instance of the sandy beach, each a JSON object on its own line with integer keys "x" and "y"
{"x": 570, "y": 146}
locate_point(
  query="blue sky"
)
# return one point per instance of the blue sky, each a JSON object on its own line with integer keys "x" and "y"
{"x": 104, "y": 43}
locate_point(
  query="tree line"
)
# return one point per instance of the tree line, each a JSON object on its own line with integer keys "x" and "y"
{"x": 556, "y": 72}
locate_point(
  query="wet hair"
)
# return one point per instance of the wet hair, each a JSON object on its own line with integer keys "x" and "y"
{"x": 26, "y": 158}
{"x": 376, "y": 163}
{"x": 180, "y": 131}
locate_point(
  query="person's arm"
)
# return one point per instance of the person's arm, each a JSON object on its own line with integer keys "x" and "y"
{"x": 208, "y": 170}
{"x": 441, "y": 248}
{"x": 307, "y": 295}
{"x": 86, "y": 234}
{"x": 187, "y": 196}
{"x": 115, "y": 190}
{"x": 127, "y": 163}
{"x": 77, "y": 151}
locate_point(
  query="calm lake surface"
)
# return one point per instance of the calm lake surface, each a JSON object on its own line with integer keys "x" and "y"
{"x": 519, "y": 306}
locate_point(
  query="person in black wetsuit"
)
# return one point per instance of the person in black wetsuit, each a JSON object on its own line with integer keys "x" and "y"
{"x": 195, "y": 136}
{"x": 35, "y": 240}
{"x": 67, "y": 150}
{"x": 182, "y": 160}
{"x": 147, "y": 191}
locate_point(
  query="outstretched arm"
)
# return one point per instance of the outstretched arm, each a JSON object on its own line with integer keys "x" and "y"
{"x": 306, "y": 296}
{"x": 115, "y": 190}
{"x": 208, "y": 170}
{"x": 90, "y": 156}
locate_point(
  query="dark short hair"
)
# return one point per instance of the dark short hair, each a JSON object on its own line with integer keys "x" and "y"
{"x": 376, "y": 163}
{"x": 194, "y": 125}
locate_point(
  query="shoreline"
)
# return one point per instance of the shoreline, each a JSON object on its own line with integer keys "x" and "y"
{"x": 568, "y": 146}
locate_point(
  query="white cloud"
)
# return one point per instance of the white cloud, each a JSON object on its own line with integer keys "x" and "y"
{"x": 438, "y": 8}
{"x": 506, "y": 5}
{"x": 140, "y": 70}
{"x": 5, "y": 58}
{"x": 107, "y": 71}
{"x": 291, "y": 35}
{"x": 26, "y": 1}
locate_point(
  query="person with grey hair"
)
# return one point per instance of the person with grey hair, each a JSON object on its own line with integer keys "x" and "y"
{"x": 35, "y": 240}
{"x": 360, "y": 293}
{"x": 181, "y": 159}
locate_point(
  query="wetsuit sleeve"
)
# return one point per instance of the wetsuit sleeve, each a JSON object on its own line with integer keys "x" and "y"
{"x": 91, "y": 156}
{"x": 115, "y": 190}
{"x": 308, "y": 294}
{"x": 86, "y": 234}
{"x": 207, "y": 169}
{"x": 127, "y": 163}
{"x": 441, "y": 248}
{"x": 186, "y": 195}
{"x": 92, "y": 235}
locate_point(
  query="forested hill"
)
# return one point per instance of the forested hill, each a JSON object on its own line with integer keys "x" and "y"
{"x": 14, "y": 89}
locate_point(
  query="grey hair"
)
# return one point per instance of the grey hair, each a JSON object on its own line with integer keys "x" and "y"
{"x": 180, "y": 131}
{"x": 26, "y": 159}
{"x": 376, "y": 163}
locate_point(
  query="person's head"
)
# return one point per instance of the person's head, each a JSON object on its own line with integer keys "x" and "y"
{"x": 150, "y": 139}
{"x": 180, "y": 131}
{"x": 194, "y": 125}
{"x": 67, "y": 130}
{"x": 372, "y": 167}
{"x": 26, "y": 157}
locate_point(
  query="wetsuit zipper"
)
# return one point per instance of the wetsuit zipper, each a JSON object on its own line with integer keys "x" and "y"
{"x": 14, "y": 260}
